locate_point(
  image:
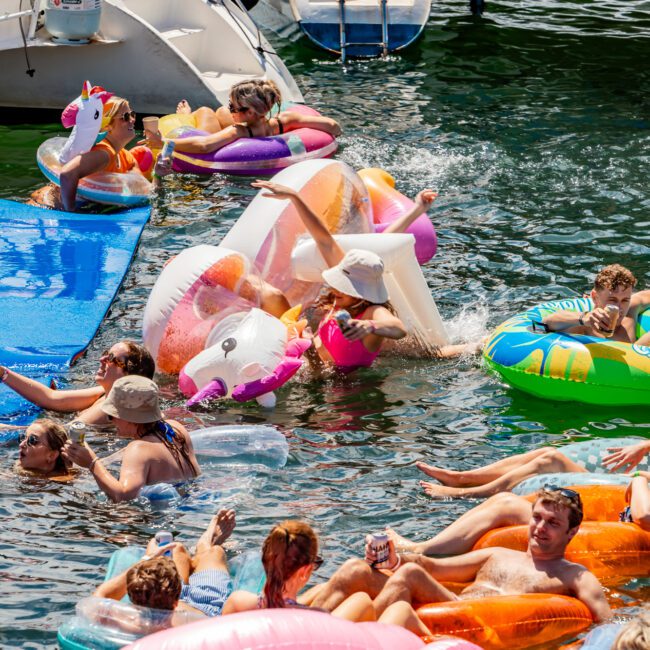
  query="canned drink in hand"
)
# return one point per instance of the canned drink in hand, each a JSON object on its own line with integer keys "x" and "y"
{"x": 613, "y": 312}
{"x": 342, "y": 317}
{"x": 77, "y": 431}
{"x": 379, "y": 544}
{"x": 164, "y": 537}
{"x": 167, "y": 150}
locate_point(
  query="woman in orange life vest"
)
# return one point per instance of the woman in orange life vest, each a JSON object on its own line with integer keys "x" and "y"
{"x": 108, "y": 155}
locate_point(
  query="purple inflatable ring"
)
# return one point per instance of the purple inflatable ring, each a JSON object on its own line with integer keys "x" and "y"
{"x": 256, "y": 156}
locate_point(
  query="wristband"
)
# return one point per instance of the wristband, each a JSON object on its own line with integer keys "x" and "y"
{"x": 636, "y": 474}
{"x": 581, "y": 317}
{"x": 92, "y": 464}
{"x": 4, "y": 375}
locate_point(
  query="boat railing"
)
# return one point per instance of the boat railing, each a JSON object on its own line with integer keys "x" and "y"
{"x": 34, "y": 12}
{"x": 344, "y": 43}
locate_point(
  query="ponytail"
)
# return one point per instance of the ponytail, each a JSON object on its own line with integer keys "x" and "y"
{"x": 288, "y": 547}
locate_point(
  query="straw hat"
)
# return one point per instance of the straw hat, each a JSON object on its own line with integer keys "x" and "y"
{"x": 135, "y": 399}
{"x": 359, "y": 274}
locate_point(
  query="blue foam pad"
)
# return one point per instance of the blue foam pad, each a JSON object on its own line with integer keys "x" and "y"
{"x": 59, "y": 273}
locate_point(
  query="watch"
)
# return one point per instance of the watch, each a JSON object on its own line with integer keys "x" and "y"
{"x": 580, "y": 319}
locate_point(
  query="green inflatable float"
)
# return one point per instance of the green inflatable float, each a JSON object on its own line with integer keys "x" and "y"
{"x": 563, "y": 366}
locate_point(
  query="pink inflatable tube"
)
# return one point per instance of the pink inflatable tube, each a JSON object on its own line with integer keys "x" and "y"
{"x": 289, "y": 629}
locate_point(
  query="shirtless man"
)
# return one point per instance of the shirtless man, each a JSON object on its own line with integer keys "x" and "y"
{"x": 123, "y": 358}
{"x": 542, "y": 568}
{"x": 612, "y": 286}
{"x": 199, "y": 584}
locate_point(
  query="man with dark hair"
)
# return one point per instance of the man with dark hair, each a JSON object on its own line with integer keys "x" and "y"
{"x": 199, "y": 584}
{"x": 615, "y": 309}
{"x": 542, "y": 568}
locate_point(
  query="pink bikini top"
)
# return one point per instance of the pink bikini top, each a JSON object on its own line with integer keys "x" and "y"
{"x": 347, "y": 355}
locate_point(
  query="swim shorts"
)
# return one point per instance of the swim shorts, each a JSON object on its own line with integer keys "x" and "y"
{"x": 207, "y": 591}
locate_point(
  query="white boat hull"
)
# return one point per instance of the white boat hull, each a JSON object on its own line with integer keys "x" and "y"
{"x": 153, "y": 52}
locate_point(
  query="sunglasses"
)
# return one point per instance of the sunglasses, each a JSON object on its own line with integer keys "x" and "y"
{"x": 31, "y": 440}
{"x": 129, "y": 115}
{"x": 233, "y": 109}
{"x": 572, "y": 495}
{"x": 317, "y": 562}
{"x": 111, "y": 358}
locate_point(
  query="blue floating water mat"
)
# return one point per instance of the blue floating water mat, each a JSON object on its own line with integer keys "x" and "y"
{"x": 59, "y": 273}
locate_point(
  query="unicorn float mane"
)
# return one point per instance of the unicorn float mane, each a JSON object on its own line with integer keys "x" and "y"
{"x": 86, "y": 116}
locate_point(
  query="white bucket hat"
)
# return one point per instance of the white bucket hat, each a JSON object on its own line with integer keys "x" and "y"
{"x": 135, "y": 399}
{"x": 359, "y": 274}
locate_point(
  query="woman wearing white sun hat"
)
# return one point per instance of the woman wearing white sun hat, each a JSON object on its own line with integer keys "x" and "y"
{"x": 356, "y": 285}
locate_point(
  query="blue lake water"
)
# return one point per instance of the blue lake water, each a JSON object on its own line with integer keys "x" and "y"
{"x": 533, "y": 123}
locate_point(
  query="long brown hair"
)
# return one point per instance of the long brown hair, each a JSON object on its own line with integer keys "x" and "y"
{"x": 289, "y": 546}
{"x": 168, "y": 435}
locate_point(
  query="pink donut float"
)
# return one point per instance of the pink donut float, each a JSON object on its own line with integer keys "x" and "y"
{"x": 289, "y": 629}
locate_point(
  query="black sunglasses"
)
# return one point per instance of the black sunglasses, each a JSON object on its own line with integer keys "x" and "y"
{"x": 233, "y": 109}
{"x": 128, "y": 115}
{"x": 31, "y": 440}
{"x": 317, "y": 562}
{"x": 111, "y": 358}
{"x": 572, "y": 495}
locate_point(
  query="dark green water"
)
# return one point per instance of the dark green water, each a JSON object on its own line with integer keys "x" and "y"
{"x": 533, "y": 122}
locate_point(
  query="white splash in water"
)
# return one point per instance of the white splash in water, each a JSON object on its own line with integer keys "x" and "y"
{"x": 469, "y": 324}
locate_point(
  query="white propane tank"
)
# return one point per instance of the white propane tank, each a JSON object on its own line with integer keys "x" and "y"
{"x": 72, "y": 22}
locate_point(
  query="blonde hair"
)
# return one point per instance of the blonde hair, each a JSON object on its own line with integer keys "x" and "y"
{"x": 112, "y": 108}
{"x": 635, "y": 635}
{"x": 260, "y": 95}
{"x": 289, "y": 546}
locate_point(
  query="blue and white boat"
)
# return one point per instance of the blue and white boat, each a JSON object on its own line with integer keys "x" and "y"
{"x": 362, "y": 27}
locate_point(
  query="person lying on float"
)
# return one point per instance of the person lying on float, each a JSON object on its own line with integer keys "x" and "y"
{"x": 169, "y": 578}
{"x": 615, "y": 311}
{"x": 508, "y": 509}
{"x": 159, "y": 451}
{"x": 508, "y": 472}
{"x": 122, "y": 359}
{"x": 416, "y": 579}
{"x": 246, "y": 117}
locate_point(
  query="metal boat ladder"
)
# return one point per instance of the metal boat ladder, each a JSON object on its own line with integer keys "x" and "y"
{"x": 33, "y": 12}
{"x": 344, "y": 43}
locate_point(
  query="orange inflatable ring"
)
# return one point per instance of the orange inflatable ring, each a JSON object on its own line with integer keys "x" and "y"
{"x": 599, "y": 502}
{"x": 608, "y": 549}
{"x": 500, "y": 622}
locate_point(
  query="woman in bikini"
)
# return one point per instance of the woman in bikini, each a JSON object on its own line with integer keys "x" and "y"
{"x": 354, "y": 282}
{"x": 159, "y": 452}
{"x": 246, "y": 117}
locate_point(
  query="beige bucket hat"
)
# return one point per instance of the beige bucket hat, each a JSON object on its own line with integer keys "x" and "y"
{"x": 135, "y": 399}
{"x": 360, "y": 274}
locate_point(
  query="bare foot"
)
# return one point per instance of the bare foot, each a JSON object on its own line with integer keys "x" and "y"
{"x": 445, "y": 476}
{"x": 401, "y": 543}
{"x": 183, "y": 107}
{"x": 441, "y": 491}
{"x": 219, "y": 530}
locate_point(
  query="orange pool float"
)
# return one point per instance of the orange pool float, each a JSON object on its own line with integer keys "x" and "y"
{"x": 608, "y": 549}
{"x": 501, "y": 622}
{"x": 599, "y": 502}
